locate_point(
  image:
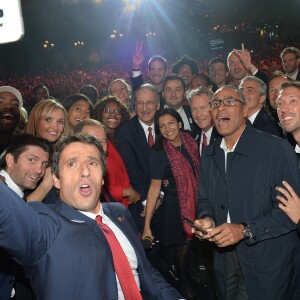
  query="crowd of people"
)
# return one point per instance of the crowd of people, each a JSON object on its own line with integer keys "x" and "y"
{"x": 124, "y": 180}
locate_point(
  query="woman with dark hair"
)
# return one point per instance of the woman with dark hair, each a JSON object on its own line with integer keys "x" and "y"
{"x": 111, "y": 112}
{"x": 79, "y": 107}
{"x": 174, "y": 163}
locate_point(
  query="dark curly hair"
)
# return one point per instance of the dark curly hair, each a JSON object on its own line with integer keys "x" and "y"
{"x": 185, "y": 60}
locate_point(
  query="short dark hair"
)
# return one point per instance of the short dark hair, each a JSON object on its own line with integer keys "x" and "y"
{"x": 173, "y": 77}
{"x": 292, "y": 50}
{"x": 90, "y": 91}
{"x": 69, "y": 101}
{"x": 294, "y": 84}
{"x": 158, "y": 58}
{"x": 217, "y": 60}
{"x": 185, "y": 60}
{"x": 166, "y": 111}
{"x": 40, "y": 86}
{"x": 20, "y": 143}
{"x": 75, "y": 138}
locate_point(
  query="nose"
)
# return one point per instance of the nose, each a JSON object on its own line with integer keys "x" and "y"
{"x": 85, "y": 170}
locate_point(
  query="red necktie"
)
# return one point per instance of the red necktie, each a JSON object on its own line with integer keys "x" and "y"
{"x": 150, "y": 137}
{"x": 121, "y": 264}
{"x": 204, "y": 142}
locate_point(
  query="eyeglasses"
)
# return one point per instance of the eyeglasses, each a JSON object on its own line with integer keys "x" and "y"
{"x": 227, "y": 101}
{"x": 112, "y": 111}
{"x": 148, "y": 103}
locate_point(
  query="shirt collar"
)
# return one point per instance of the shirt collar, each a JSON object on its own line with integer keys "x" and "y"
{"x": 253, "y": 117}
{"x": 11, "y": 184}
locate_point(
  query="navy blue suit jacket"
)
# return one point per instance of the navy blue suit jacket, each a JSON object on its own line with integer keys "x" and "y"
{"x": 259, "y": 163}
{"x": 65, "y": 253}
{"x": 265, "y": 122}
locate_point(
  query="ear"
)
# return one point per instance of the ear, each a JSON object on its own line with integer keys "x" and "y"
{"x": 9, "y": 159}
{"x": 56, "y": 181}
{"x": 180, "y": 125}
{"x": 245, "y": 110}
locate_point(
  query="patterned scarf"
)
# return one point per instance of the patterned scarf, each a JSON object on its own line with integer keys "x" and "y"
{"x": 185, "y": 177}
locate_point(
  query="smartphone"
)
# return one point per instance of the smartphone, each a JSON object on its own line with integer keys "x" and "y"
{"x": 11, "y": 21}
{"x": 193, "y": 225}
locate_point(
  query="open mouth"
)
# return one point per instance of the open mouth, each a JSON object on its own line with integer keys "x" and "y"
{"x": 85, "y": 189}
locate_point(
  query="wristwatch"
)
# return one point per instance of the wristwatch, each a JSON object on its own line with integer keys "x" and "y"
{"x": 247, "y": 232}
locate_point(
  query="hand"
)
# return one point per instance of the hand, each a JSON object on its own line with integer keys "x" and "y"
{"x": 133, "y": 196}
{"x": 147, "y": 233}
{"x": 226, "y": 234}
{"x": 290, "y": 203}
{"x": 245, "y": 57}
{"x": 207, "y": 224}
{"x": 138, "y": 56}
{"x": 47, "y": 182}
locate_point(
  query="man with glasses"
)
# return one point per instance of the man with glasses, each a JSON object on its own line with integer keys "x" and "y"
{"x": 134, "y": 141}
{"x": 237, "y": 205}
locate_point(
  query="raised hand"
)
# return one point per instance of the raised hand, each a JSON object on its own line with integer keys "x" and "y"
{"x": 138, "y": 56}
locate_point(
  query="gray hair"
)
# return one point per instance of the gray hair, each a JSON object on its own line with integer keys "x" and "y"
{"x": 262, "y": 86}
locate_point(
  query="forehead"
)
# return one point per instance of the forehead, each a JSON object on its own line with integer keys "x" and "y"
{"x": 290, "y": 92}
{"x": 289, "y": 56}
{"x": 82, "y": 103}
{"x": 8, "y": 96}
{"x": 277, "y": 81}
{"x": 41, "y": 90}
{"x": 112, "y": 104}
{"x": 145, "y": 93}
{"x": 118, "y": 84}
{"x": 233, "y": 57}
{"x": 96, "y": 131}
{"x": 36, "y": 151}
{"x": 185, "y": 67}
{"x": 57, "y": 112}
{"x": 249, "y": 83}
{"x": 225, "y": 92}
{"x": 79, "y": 149}
{"x": 173, "y": 83}
{"x": 156, "y": 64}
{"x": 199, "y": 100}
{"x": 166, "y": 118}
{"x": 217, "y": 65}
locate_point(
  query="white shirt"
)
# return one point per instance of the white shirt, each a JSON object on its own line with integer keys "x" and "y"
{"x": 125, "y": 244}
{"x": 145, "y": 127}
{"x": 253, "y": 117}
{"x": 294, "y": 76}
{"x": 297, "y": 149}
{"x": 226, "y": 151}
{"x": 11, "y": 184}
{"x": 208, "y": 135}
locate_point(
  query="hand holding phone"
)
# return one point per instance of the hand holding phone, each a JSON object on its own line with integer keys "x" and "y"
{"x": 194, "y": 226}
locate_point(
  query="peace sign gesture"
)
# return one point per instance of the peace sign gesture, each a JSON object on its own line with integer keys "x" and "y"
{"x": 138, "y": 56}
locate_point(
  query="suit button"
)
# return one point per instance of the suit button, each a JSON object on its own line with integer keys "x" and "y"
{"x": 266, "y": 230}
{"x": 222, "y": 206}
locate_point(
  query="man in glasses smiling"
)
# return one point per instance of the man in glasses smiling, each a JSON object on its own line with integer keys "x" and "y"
{"x": 237, "y": 206}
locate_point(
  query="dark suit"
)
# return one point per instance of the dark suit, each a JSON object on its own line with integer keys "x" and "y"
{"x": 214, "y": 135}
{"x": 134, "y": 149}
{"x": 265, "y": 122}
{"x": 195, "y": 130}
{"x": 270, "y": 263}
{"x": 298, "y": 76}
{"x": 66, "y": 255}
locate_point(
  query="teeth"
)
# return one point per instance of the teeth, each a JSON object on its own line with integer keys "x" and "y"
{"x": 78, "y": 120}
{"x": 112, "y": 120}
{"x": 84, "y": 186}
{"x": 287, "y": 118}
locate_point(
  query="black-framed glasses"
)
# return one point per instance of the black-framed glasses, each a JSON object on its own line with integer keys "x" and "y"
{"x": 227, "y": 101}
{"x": 112, "y": 111}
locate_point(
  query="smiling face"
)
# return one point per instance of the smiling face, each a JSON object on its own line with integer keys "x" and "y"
{"x": 79, "y": 111}
{"x": 9, "y": 112}
{"x": 80, "y": 176}
{"x": 288, "y": 109}
{"x": 157, "y": 72}
{"x": 218, "y": 73}
{"x": 173, "y": 93}
{"x": 290, "y": 63}
{"x": 229, "y": 120}
{"x": 169, "y": 127}
{"x": 201, "y": 111}
{"x": 185, "y": 72}
{"x": 236, "y": 68}
{"x": 52, "y": 126}
{"x": 119, "y": 89}
{"x": 274, "y": 85}
{"x": 111, "y": 116}
{"x": 29, "y": 168}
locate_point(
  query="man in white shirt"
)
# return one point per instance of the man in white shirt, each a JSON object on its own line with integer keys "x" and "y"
{"x": 23, "y": 164}
{"x": 255, "y": 92}
{"x": 290, "y": 58}
{"x": 201, "y": 112}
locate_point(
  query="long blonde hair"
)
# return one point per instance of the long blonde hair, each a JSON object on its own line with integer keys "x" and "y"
{"x": 42, "y": 110}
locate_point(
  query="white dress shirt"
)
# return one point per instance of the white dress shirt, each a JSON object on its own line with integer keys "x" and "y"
{"x": 125, "y": 244}
{"x": 11, "y": 184}
{"x": 145, "y": 127}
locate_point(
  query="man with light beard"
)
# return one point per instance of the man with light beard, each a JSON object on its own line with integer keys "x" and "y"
{"x": 157, "y": 71}
{"x": 218, "y": 71}
{"x": 240, "y": 65}
{"x": 290, "y": 58}
{"x": 10, "y": 103}
{"x": 23, "y": 164}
